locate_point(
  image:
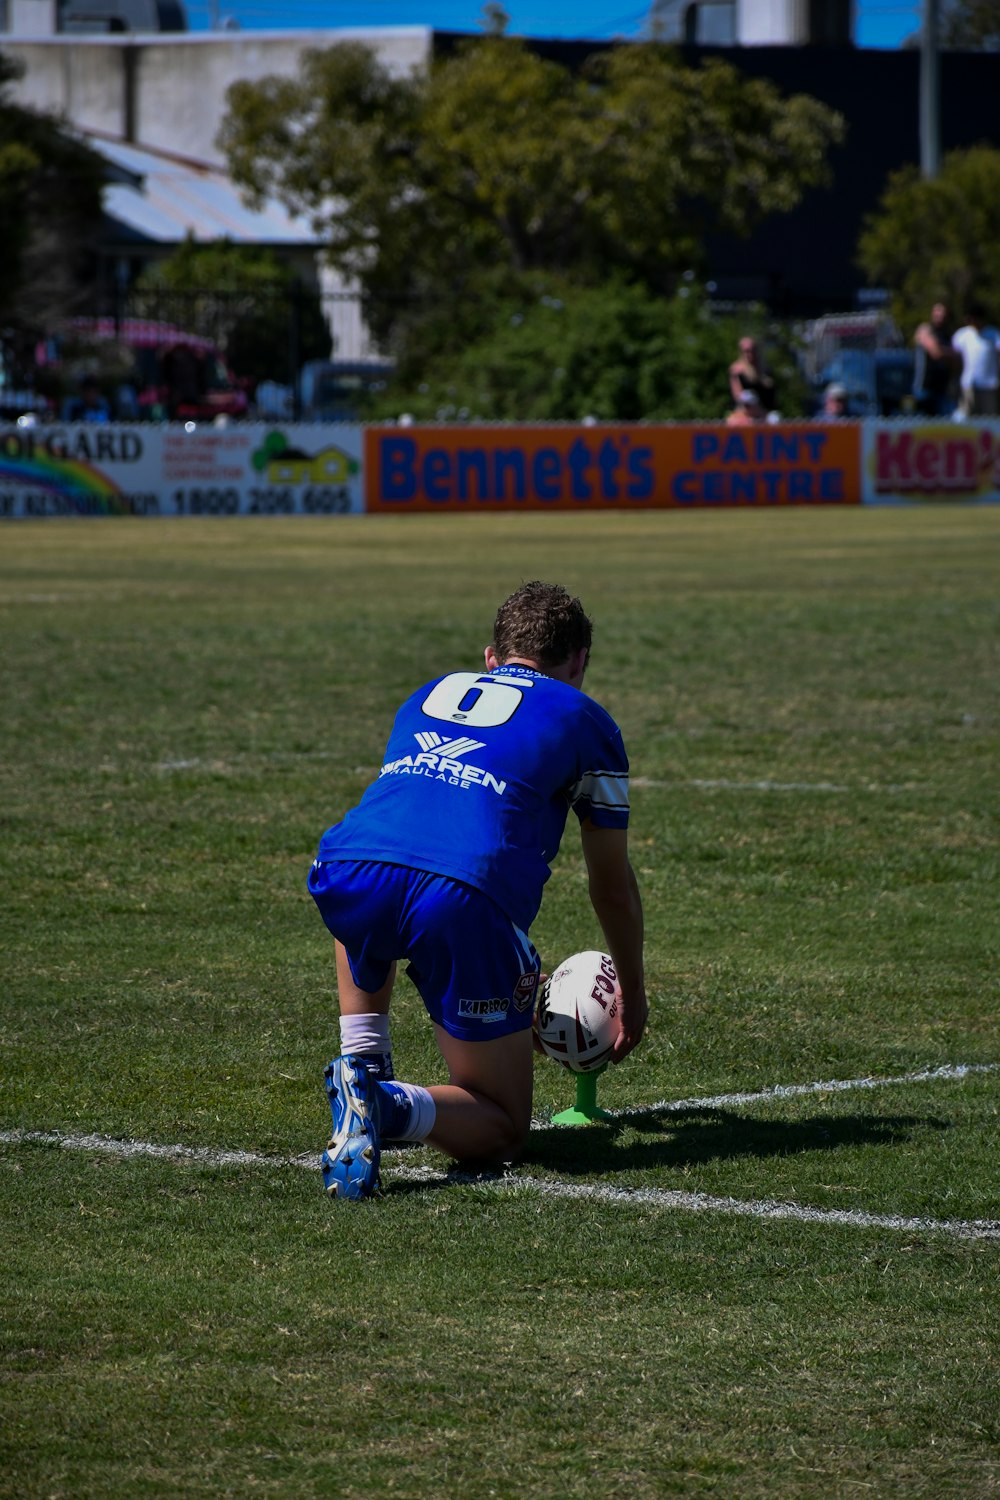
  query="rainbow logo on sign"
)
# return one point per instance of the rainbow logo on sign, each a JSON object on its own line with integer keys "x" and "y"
{"x": 80, "y": 486}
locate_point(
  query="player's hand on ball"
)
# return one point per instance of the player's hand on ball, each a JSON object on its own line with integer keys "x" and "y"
{"x": 634, "y": 1012}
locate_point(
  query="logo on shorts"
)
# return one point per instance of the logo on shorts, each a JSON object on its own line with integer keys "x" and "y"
{"x": 524, "y": 990}
{"x": 483, "y": 1010}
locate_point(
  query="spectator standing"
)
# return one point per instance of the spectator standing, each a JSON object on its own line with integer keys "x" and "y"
{"x": 938, "y": 364}
{"x": 747, "y": 373}
{"x": 979, "y": 345}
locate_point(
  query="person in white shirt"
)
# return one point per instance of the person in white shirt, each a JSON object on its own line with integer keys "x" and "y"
{"x": 979, "y": 345}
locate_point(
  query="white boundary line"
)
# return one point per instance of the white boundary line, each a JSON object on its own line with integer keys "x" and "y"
{"x": 797, "y": 1090}
{"x": 662, "y": 1198}
{"x": 667, "y": 1198}
{"x": 724, "y": 784}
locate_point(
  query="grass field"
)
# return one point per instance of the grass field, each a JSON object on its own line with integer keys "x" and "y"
{"x": 787, "y": 1295}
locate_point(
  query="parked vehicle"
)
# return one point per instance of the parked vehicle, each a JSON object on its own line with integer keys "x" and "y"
{"x": 842, "y": 333}
{"x": 895, "y": 378}
{"x": 336, "y": 390}
{"x": 879, "y": 382}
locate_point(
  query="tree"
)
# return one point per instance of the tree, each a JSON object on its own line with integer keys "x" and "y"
{"x": 440, "y": 193}
{"x": 615, "y": 352}
{"x": 494, "y": 19}
{"x": 935, "y": 239}
{"x": 971, "y": 25}
{"x": 50, "y": 212}
{"x": 251, "y": 301}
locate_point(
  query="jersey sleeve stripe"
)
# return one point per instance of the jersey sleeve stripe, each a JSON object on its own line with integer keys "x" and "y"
{"x": 602, "y": 789}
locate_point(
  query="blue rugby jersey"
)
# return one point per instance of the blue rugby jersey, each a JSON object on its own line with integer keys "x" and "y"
{"x": 479, "y": 775}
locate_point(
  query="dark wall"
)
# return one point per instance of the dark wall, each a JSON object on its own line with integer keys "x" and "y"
{"x": 803, "y": 263}
{"x": 807, "y": 258}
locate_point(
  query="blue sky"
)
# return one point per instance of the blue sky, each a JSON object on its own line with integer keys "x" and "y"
{"x": 880, "y": 23}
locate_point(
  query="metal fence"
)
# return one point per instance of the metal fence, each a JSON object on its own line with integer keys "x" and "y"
{"x": 264, "y": 332}
{"x": 178, "y": 354}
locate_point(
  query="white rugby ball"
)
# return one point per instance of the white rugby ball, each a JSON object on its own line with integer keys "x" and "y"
{"x": 577, "y": 1019}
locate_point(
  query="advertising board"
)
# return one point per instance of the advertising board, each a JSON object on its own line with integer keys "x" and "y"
{"x": 619, "y": 467}
{"x": 932, "y": 461}
{"x": 141, "y": 469}
{"x": 121, "y": 469}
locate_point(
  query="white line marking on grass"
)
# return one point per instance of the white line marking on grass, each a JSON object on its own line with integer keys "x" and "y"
{"x": 511, "y": 1182}
{"x": 798, "y": 1090}
{"x": 701, "y": 784}
{"x": 251, "y": 759}
{"x": 82, "y": 596}
{"x": 109, "y": 1145}
{"x": 665, "y": 1198}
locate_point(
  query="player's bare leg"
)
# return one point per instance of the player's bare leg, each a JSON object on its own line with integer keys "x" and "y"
{"x": 355, "y": 1001}
{"x": 484, "y": 1112}
{"x": 364, "y": 1018}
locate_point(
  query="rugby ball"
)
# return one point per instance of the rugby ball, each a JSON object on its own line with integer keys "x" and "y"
{"x": 577, "y": 1018}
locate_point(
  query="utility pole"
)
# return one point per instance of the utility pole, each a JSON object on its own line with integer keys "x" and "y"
{"x": 930, "y": 90}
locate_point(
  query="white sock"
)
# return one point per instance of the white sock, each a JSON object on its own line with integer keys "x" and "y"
{"x": 365, "y": 1034}
{"x": 422, "y": 1112}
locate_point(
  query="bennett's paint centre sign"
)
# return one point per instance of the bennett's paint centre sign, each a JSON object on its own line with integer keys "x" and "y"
{"x": 627, "y": 467}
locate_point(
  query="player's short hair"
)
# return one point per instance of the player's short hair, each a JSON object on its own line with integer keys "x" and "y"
{"x": 541, "y": 622}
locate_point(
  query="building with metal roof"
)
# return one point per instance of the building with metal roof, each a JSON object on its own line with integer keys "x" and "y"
{"x": 154, "y": 201}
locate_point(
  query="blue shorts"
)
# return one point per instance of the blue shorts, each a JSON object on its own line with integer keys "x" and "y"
{"x": 476, "y": 972}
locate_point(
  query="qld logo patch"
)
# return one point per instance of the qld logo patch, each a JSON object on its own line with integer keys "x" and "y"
{"x": 525, "y": 990}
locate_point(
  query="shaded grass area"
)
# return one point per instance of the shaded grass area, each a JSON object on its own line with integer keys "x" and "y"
{"x": 810, "y": 703}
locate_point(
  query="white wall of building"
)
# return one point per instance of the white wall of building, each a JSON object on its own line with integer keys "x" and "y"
{"x": 32, "y": 17}
{"x": 168, "y": 92}
{"x": 752, "y": 23}
{"x": 772, "y": 22}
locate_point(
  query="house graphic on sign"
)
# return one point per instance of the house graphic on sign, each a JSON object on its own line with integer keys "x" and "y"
{"x": 283, "y": 464}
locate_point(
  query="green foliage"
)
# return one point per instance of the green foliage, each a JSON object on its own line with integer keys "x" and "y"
{"x": 497, "y": 164}
{"x": 342, "y": 132}
{"x": 971, "y": 25}
{"x": 247, "y": 297}
{"x": 18, "y": 165}
{"x": 935, "y": 239}
{"x": 675, "y": 152}
{"x": 556, "y": 352}
{"x": 615, "y": 353}
{"x": 50, "y": 206}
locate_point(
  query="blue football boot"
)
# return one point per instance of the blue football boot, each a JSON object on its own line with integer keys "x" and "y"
{"x": 351, "y": 1160}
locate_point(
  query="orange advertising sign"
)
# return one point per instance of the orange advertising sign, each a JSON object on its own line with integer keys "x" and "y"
{"x": 610, "y": 467}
